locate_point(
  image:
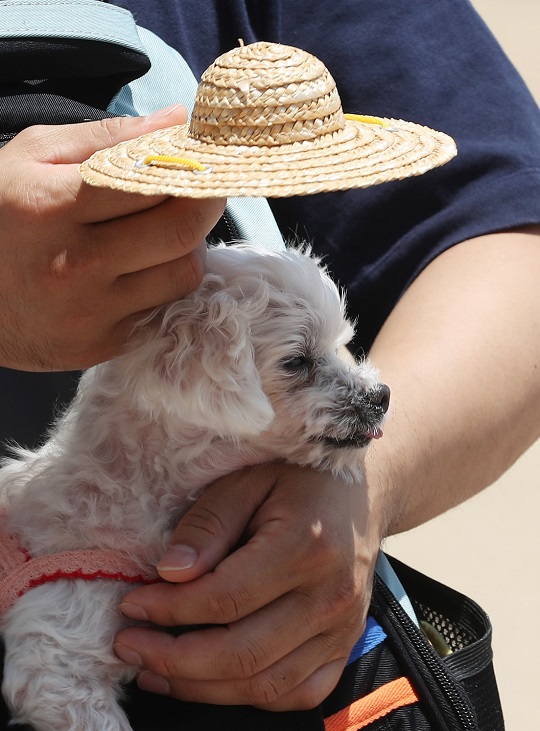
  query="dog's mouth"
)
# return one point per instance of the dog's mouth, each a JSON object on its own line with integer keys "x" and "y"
{"x": 355, "y": 441}
{"x": 360, "y": 422}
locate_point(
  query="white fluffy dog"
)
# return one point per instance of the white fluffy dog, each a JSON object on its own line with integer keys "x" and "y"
{"x": 244, "y": 370}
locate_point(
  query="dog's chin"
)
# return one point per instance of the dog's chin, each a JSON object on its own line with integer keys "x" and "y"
{"x": 344, "y": 455}
{"x": 346, "y": 464}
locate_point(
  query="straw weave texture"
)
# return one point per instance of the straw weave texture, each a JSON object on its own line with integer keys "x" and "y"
{"x": 268, "y": 121}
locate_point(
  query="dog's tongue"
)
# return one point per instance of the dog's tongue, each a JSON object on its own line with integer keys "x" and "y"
{"x": 375, "y": 433}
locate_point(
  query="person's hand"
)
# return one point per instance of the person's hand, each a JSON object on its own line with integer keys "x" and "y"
{"x": 281, "y": 559}
{"x": 79, "y": 264}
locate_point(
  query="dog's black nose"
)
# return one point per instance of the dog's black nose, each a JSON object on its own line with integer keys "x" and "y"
{"x": 380, "y": 397}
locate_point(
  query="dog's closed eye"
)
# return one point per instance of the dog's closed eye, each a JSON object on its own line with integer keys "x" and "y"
{"x": 298, "y": 364}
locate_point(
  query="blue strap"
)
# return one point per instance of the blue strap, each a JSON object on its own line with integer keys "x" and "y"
{"x": 83, "y": 19}
{"x": 373, "y": 635}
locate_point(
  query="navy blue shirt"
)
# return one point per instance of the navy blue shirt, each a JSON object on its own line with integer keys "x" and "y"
{"x": 428, "y": 61}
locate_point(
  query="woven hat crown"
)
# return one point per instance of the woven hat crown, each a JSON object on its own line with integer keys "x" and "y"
{"x": 265, "y": 94}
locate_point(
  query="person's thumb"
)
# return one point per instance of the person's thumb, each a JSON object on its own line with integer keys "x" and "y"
{"x": 213, "y": 526}
{"x": 74, "y": 143}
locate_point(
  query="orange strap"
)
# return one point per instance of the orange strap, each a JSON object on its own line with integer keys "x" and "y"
{"x": 377, "y": 704}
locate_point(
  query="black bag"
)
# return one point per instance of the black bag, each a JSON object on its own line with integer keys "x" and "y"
{"x": 457, "y": 691}
{"x": 398, "y": 682}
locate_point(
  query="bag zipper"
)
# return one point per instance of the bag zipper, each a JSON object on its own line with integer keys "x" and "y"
{"x": 231, "y": 226}
{"x": 457, "y": 699}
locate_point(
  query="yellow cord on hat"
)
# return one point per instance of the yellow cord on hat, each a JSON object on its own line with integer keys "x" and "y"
{"x": 366, "y": 119}
{"x": 173, "y": 161}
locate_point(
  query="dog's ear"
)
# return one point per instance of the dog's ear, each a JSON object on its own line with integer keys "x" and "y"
{"x": 197, "y": 363}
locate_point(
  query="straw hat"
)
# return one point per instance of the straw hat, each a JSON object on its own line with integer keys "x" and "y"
{"x": 268, "y": 122}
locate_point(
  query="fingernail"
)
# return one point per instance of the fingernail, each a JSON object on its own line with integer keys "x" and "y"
{"x": 178, "y": 557}
{"x": 127, "y": 654}
{"x": 167, "y": 111}
{"x": 153, "y": 683}
{"x": 133, "y": 611}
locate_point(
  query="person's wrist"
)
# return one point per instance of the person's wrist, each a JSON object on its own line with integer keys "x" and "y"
{"x": 386, "y": 494}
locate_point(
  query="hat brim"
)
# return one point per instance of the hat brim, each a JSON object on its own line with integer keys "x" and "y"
{"x": 358, "y": 156}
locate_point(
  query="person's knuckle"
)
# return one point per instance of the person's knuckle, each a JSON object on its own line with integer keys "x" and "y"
{"x": 172, "y": 611}
{"x": 265, "y": 689}
{"x": 107, "y": 131}
{"x": 185, "y": 274}
{"x": 248, "y": 658}
{"x": 30, "y": 138}
{"x": 190, "y": 221}
{"x": 222, "y": 608}
{"x": 193, "y": 271}
{"x": 339, "y": 605}
{"x": 337, "y": 642}
{"x": 347, "y": 592}
{"x": 244, "y": 662}
{"x": 74, "y": 263}
{"x": 202, "y": 518}
{"x": 327, "y": 550}
{"x": 63, "y": 266}
{"x": 186, "y": 232}
{"x": 169, "y": 664}
{"x": 230, "y": 605}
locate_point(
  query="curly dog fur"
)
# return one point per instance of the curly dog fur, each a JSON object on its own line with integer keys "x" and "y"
{"x": 244, "y": 370}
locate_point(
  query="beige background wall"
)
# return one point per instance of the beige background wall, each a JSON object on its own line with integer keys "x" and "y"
{"x": 489, "y": 548}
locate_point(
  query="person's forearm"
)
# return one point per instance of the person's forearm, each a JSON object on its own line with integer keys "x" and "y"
{"x": 461, "y": 352}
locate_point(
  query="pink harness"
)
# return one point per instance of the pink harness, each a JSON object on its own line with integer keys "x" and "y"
{"x": 20, "y": 572}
